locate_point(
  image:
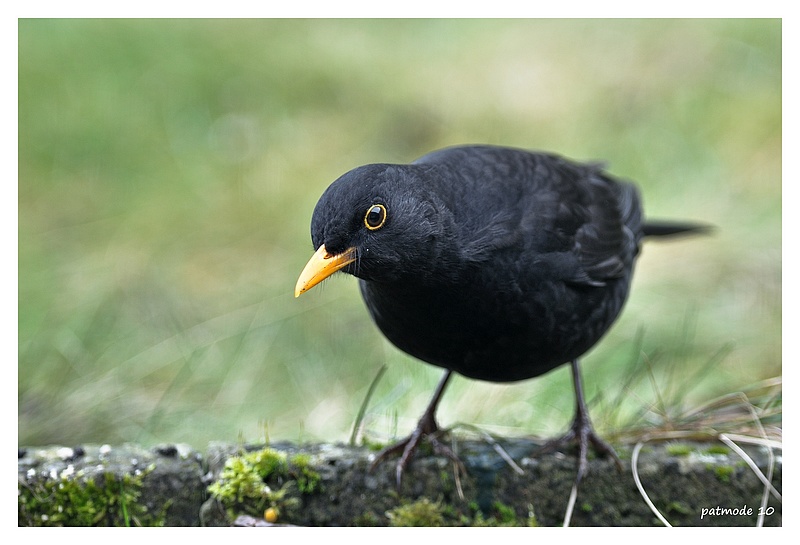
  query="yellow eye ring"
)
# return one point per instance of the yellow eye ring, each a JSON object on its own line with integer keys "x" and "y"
{"x": 375, "y": 217}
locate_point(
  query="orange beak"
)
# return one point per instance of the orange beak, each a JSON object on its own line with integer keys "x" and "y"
{"x": 321, "y": 266}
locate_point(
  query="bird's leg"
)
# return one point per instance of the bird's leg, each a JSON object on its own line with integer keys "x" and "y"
{"x": 582, "y": 431}
{"x": 426, "y": 429}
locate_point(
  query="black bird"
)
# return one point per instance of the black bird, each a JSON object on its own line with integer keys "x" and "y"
{"x": 495, "y": 263}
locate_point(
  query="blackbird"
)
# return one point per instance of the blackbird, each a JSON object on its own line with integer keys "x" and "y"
{"x": 498, "y": 264}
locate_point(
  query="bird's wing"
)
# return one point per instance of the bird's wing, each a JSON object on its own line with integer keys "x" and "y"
{"x": 588, "y": 224}
{"x": 572, "y": 216}
{"x": 608, "y": 240}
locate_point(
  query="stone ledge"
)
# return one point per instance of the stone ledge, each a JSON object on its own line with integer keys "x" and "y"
{"x": 690, "y": 483}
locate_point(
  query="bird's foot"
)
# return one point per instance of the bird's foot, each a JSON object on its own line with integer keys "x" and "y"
{"x": 582, "y": 433}
{"x": 427, "y": 430}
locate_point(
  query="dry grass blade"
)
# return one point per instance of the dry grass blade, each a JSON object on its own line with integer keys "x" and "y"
{"x": 573, "y": 496}
{"x": 456, "y": 469}
{"x": 363, "y": 409}
{"x": 640, "y": 486}
{"x": 735, "y": 411}
{"x": 754, "y": 412}
{"x": 749, "y": 461}
{"x": 495, "y": 445}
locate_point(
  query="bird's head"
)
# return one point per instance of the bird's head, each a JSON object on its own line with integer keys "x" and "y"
{"x": 376, "y": 222}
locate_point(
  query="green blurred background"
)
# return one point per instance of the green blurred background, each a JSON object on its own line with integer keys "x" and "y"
{"x": 168, "y": 170}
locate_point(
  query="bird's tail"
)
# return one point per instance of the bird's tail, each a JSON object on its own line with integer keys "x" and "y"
{"x": 669, "y": 228}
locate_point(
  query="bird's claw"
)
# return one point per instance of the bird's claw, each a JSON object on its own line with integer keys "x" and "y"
{"x": 582, "y": 433}
{"x": 410, "y": 444}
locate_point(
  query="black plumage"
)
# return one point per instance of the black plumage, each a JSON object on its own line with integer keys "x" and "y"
{"x": 495, "y": 263}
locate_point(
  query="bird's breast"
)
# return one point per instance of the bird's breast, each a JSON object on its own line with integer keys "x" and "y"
{"x": 494, "y": 336}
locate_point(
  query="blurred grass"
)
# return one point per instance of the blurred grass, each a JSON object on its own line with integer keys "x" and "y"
{"x": 168, "y": 170}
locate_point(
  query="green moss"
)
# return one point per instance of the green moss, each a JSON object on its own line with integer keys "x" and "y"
{"x": 367, "y": 519}
{"x": 678, "y": 449}
{"x": 253, "y": 482}
{"x": 531, "y": 520}
{"x": 76, "y": 500}
{"x": 267, "y": 462}
{"x": 717, "y": 449}
{"x": 373, "y": 446}
{"x": 724, "y": 473}
{"x": 504, "y": 514}
{"x": 422, "y": 512}
{"x": 678, "y": 507}
{"x": 308, "y": 480}
{"x": 425, "y": 512}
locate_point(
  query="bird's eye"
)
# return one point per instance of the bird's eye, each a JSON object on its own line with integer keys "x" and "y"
{"x": 375, "y": 217}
